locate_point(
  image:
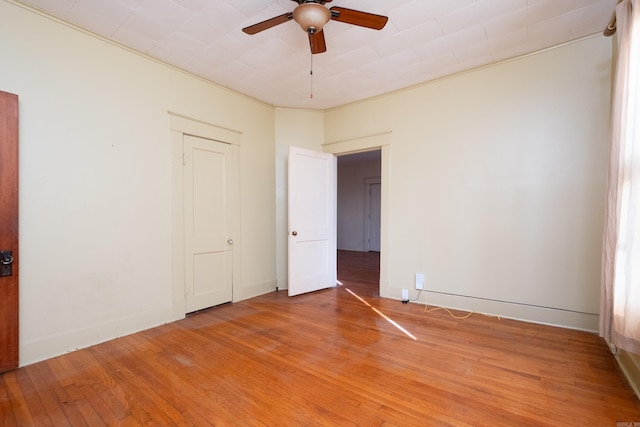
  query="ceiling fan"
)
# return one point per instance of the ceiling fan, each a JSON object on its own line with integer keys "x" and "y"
{"x": 311, "y": 15}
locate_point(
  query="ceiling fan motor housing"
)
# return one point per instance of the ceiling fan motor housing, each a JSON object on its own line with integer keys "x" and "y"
{"x": 311, "y": 16}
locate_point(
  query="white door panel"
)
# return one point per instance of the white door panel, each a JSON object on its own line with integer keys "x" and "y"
{"x": 312, "y": 221}
{"x": 208, "y": 255}
{"x": 373, "y": 218}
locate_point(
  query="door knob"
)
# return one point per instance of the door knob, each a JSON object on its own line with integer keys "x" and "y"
{"x": 230, "y": 241}
{"x": 294, "y": 233}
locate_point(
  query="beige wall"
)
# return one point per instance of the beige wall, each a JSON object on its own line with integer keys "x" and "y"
{"x": 496, "y": 183}
{"x": 95, "y": 182}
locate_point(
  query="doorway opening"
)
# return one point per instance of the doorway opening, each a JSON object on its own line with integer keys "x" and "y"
{"x": 199, "y": 181}
{"x": 358, "y": 221}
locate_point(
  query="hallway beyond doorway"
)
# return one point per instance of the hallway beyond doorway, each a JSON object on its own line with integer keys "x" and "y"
{"x": 360, "y": 271}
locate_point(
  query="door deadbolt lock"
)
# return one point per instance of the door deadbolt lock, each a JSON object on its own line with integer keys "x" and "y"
{"x": 6, "y": 261}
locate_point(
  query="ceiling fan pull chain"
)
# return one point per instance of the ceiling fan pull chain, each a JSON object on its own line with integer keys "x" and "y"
{"x": 311, "y": 73}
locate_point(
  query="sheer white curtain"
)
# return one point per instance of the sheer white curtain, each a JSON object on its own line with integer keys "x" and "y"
{"x": 620, "y": 302}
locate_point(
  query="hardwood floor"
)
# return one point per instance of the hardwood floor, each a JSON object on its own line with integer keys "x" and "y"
{"x": 360, "y": 271}
{"x": 327, "y": 359}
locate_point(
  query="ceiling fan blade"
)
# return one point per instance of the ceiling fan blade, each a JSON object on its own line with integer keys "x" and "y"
{"x": 356, "y": 17}
{"x": 317, "y": 43}
{"x": 265, "y": 25}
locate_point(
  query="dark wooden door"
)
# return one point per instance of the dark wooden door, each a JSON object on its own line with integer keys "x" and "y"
{"x": 8, "y": 231}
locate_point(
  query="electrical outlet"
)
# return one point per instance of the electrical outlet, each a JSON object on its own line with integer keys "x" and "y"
{"x": 405, "y": 295}
{"x": 419, "y": 281}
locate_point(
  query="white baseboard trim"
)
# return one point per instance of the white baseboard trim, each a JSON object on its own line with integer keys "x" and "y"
{"x": 630, "y": 365}
{"x": 37, "y": 350}
{"x": 525, "y": 312}
{"x": 54, "y": 345}
{"x": 257, "y": 289}
{"x": 282, "y": 284}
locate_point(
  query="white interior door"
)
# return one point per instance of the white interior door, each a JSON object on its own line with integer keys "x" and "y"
{"x": 312, "y": 221}
{"x": 208, "y": 216}
{"x": 373, "y": 218}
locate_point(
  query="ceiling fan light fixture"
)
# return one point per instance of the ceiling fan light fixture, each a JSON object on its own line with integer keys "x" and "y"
{"x": 311, "y": 17}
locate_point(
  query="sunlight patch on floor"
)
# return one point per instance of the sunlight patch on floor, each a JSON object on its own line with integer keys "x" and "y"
{"x": 384, "y": 316}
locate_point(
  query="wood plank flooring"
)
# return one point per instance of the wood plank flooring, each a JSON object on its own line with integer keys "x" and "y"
{"x": 327, "y": 358}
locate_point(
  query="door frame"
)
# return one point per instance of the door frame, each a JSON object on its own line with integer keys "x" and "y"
{"x": 179, "y": 126}
{"x": 382, "y": 142}
{"x": 9, "y": 233}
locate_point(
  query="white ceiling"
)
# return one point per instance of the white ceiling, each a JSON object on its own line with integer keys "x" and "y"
{"x": 423, "y": 40}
